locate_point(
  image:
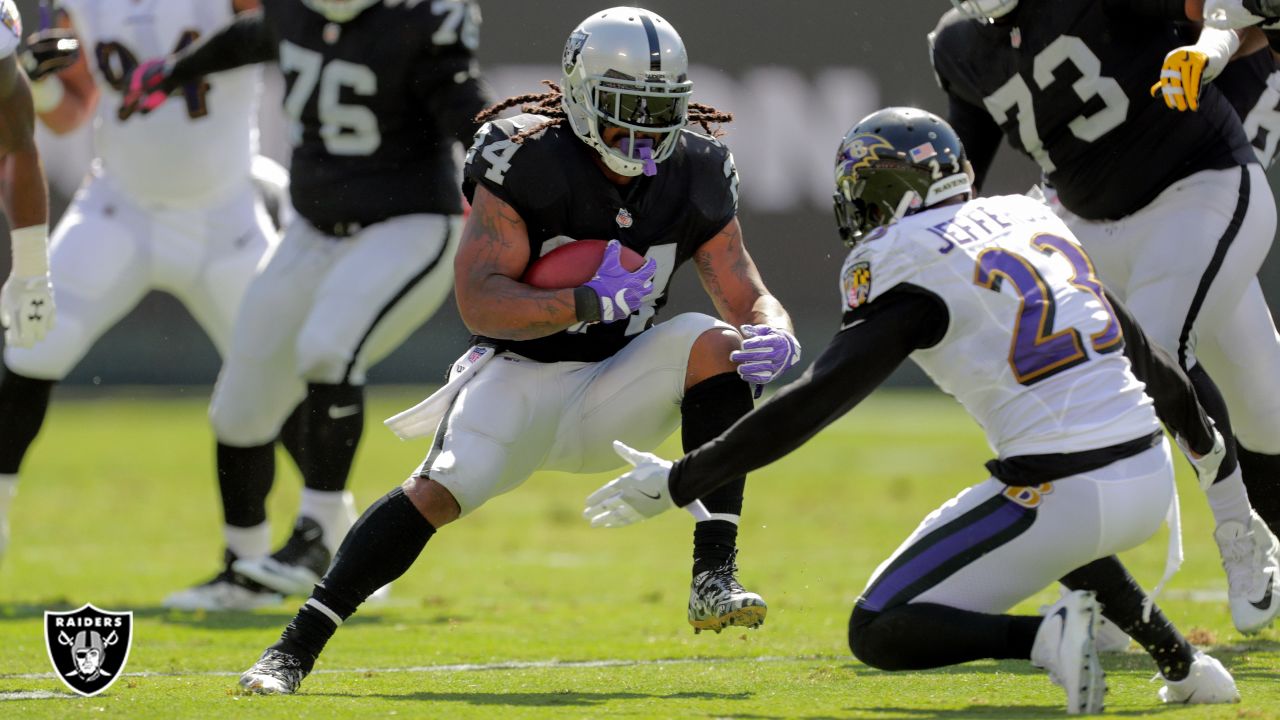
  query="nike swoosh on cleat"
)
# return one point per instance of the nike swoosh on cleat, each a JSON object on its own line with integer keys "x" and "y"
{"x": 1265, "y": 602}
{"x": 659, "y": 497}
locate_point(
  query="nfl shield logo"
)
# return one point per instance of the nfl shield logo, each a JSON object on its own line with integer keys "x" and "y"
{"x": 88, "y": 647}
{"x": 624, "y": 218}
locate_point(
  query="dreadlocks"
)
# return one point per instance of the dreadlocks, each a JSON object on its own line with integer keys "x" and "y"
{"x": 549, "y": 104}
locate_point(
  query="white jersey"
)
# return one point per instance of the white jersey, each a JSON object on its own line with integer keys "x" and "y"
{"x": 1032, "y": 349}
{"x": 194, "y": 150}
{"x": 10, "y": 28}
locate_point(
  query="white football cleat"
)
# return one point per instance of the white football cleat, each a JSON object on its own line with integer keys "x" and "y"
{"x": 226, "y": 591}
{"x": 275, "y": 673}
{"x": 1064, "y": 646}
{"x": 295, "y": 568}
{"x": 1253, "y": 572}
{"x": 1109, "y": 638}
{"x": 717, "y": 600}
{"x": 1208, "y": 683}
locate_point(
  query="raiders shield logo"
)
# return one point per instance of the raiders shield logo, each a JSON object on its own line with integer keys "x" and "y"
{"x": 88, "y": 647}
{"x": 572, "y": 47}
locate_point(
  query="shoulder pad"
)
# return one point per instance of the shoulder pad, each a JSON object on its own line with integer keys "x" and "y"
{"x": 522, "y": 173}
{"x": 713, "y": 178}
{"x": 11, "y": 30}
{"x": 950, "y": 42}
{"x": 876, "y": 265}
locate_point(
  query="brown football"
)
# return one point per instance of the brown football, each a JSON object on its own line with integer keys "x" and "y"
{"x": 573, "y": 264}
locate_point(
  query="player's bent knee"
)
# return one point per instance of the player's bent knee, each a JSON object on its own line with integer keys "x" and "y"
{"x": 871, "y": 641}
{"x": 710, "y": 355}
{"x": 433, "y": 500}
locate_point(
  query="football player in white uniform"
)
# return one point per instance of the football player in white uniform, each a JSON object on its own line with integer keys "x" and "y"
{"x": 26, "y": 301}
{"x": 169, "y": 205}
{"x": 998, "y": 303}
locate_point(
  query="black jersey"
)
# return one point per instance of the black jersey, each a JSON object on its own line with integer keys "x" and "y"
{"x": 1249, "y": 86}
{"x": 375, "y": 105}
{"x": 554, "y": 183}
{"x": 1069, "y": 85}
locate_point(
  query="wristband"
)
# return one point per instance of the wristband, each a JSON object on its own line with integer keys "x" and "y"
{"x": 1218, "y": 46}
{"x": 47, "y": 94}
{"x": 30, "y": 251}
{"x": 586, "y": 304}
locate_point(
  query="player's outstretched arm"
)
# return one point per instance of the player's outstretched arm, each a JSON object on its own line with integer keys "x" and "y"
{"x": 491, "y": 258}
{"x": 247, "y": 40}
{"x": 26, "y": 300}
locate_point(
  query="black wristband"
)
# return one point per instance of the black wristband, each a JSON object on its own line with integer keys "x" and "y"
{"x": 586, "y": 304}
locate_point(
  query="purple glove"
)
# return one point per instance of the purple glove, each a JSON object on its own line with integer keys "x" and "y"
{"x": 766, "y": 353}
{"x": 618, "y": 291}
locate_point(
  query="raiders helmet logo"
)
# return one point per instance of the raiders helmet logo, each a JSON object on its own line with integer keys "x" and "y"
{"x": 572, "y": 47}
{"x": 88, "y": 647}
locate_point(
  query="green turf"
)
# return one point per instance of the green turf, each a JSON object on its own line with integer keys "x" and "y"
{"x": 118, "y": 507}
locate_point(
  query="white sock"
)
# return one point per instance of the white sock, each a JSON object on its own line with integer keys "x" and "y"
{"x": 334, "y": 510}
{"x": 248, "y": 542}
{"x": 727, "y": 517}
{"x": 8, "y": 488}
{"x": 1229, "y": 500}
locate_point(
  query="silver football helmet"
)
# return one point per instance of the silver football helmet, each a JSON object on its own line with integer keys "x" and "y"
{"x": 985, "y": 10}
{"x": 340, "y": 11}
{"x": 627, "y": 67}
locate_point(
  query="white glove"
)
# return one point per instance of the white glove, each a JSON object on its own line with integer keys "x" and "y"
{"x": 636, "y": 495}
{"x": 1228, "y": 15}
{"x": 26, "y": 309}
{"x": 1206, "y": 465}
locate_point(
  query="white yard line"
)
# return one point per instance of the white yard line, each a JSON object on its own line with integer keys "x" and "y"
{"x": 459, "y": 667}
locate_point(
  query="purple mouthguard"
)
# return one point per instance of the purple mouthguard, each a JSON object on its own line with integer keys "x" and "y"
{"x": 644, "y": 150}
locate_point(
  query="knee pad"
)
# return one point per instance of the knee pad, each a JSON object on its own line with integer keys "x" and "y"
{"x": 323, "y": 357}
{"x": 868, "y": 639}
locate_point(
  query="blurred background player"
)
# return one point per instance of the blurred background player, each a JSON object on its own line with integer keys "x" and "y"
{"x": 378, "y": 95}
{"x": 26, "y": 300}
{"x": 558, "y": 373}
{"x": 999, "y": 305}
{"x": 169, "y": 205}
{"x": 1173, "y": 208}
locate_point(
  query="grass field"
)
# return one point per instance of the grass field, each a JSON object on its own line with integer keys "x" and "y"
{"x": 522, "y": 610}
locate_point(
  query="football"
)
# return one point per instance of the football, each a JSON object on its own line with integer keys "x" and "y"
{"x": 573, "y": 264}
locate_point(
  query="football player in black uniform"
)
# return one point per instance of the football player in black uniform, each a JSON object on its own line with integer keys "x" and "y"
{"x": 557, "y": 375}
{"x": 378, "y": 94}
{"x": 1173, "y": 207}
{"x": 26, "y": 300}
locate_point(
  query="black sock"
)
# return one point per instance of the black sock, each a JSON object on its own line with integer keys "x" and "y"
{"x": 709, "y": 408}
{"x": 380, "y": 547}
{"x": 1122, "y": 598}
{"x": 332, "y": 427}
{"x": 23, "y": 402}
{"x": 245, "y": 476}
{"x": 1262, "y": 479}
{"x": 1214, "y": 404}
{"x": 293, "y": 435}
{"x": 919, "y": 636}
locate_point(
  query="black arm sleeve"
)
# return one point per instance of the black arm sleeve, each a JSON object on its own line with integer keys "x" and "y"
{"x": 855, "y": 362}
{"x": 1174, "y": 395}
{"x": 1160, "y": 9}
{"x": 978, "y": 132}
{"x": 246, "y": 41}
